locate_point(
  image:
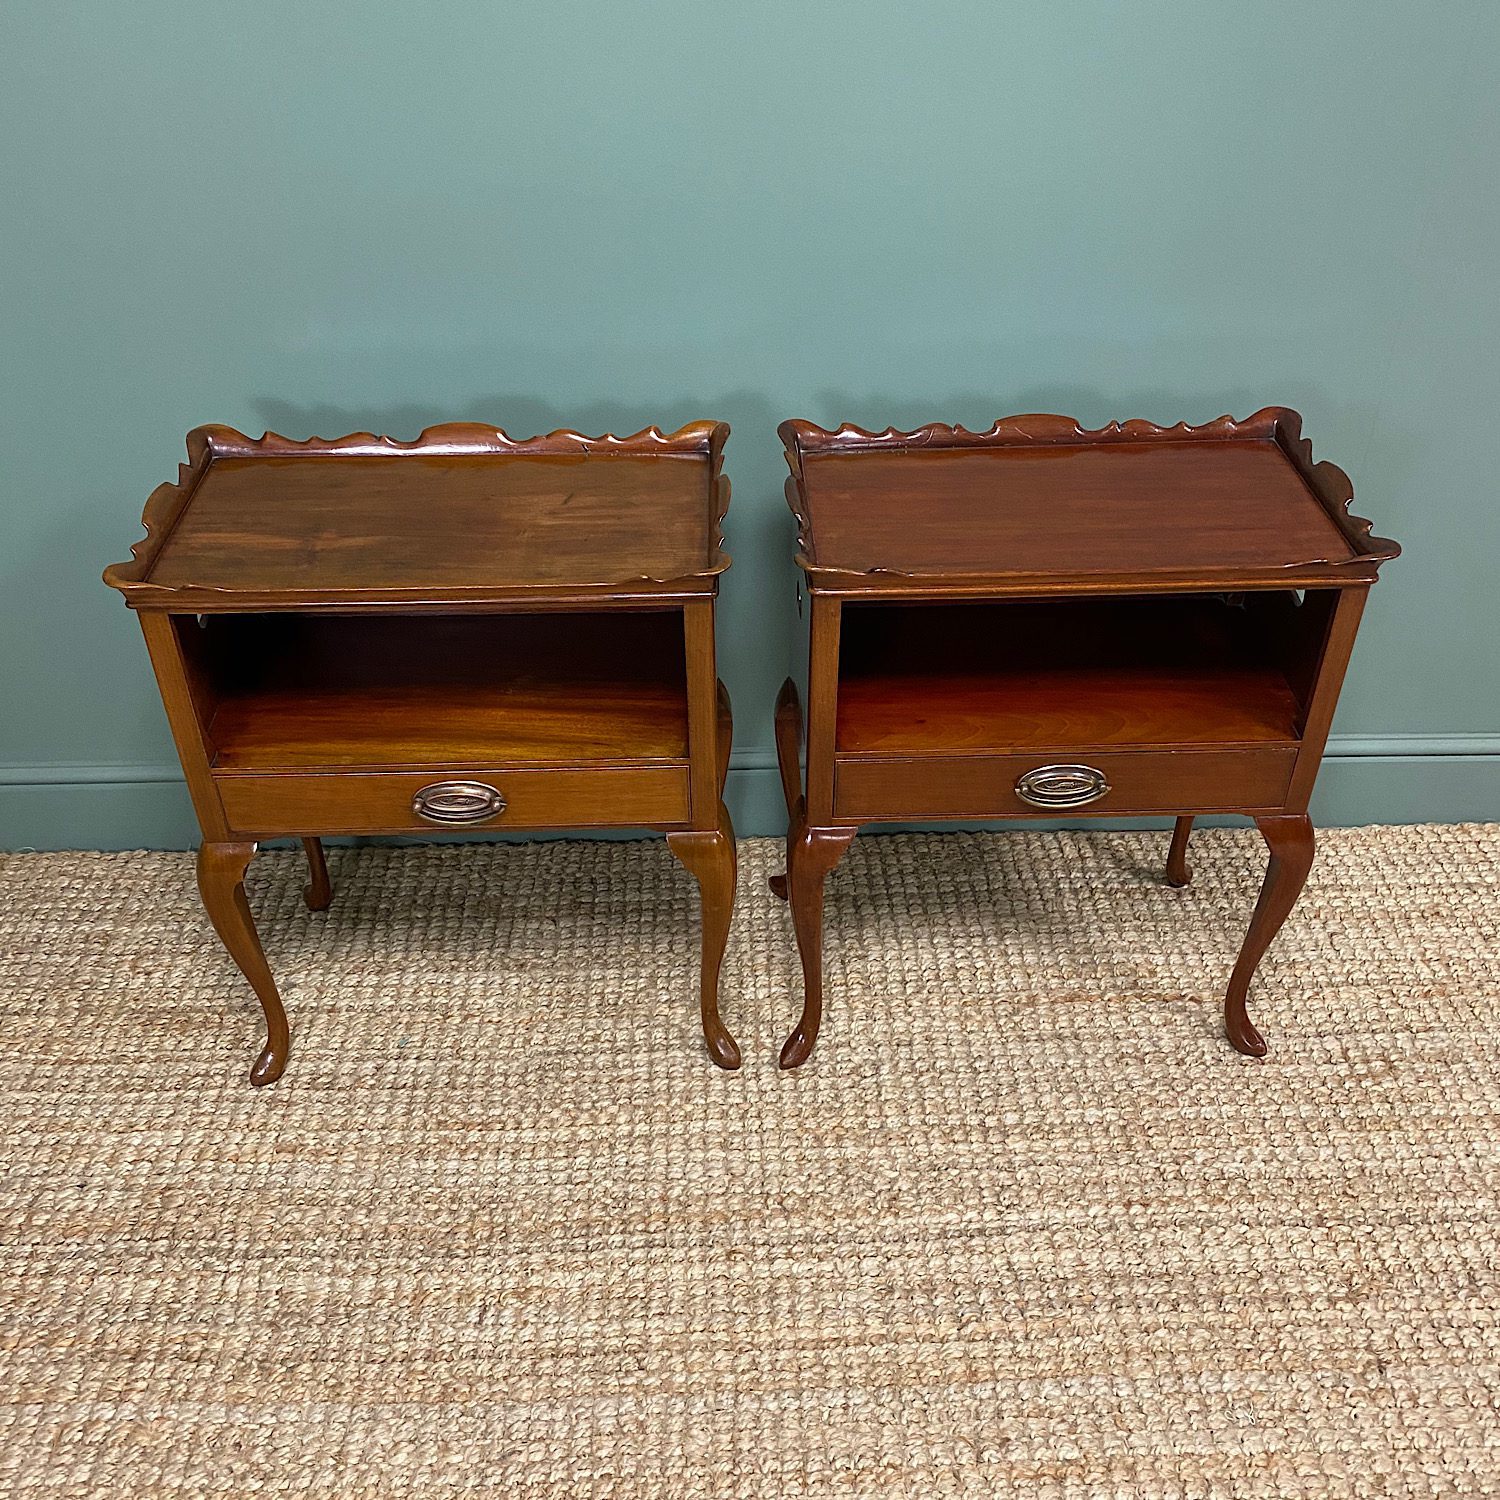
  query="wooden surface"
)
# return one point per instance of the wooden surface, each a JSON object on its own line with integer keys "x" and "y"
{"x": 876, "y": 789}
{"x": 1075, "y": 509}
{"x": 1004, "y": 710}
{"x": 1040, "y": 503}
{"x": 464, "y": 515}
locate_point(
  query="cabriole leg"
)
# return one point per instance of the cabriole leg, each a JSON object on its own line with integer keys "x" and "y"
{"x": 221, "y": 883}
{"x": 1291, "y": 843}
{"x": 318, "y": 892}
{"x": 788, "y": 743}
{"x": 710, "y": 858}
{"x": 813, "y": 854}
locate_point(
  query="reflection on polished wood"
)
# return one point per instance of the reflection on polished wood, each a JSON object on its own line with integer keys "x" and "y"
{"x": 464, "y": 516}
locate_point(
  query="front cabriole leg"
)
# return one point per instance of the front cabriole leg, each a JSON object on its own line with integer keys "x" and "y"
{"x": 709, "y": 856}
{"x": 813, "y": 854}
{"x": 221, "y": 883}
{"x": 1291, "y": 843}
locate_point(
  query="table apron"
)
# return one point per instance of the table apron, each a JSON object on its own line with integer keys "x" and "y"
{"x": 352, "y": 802}
{"x": 895, "y": 788}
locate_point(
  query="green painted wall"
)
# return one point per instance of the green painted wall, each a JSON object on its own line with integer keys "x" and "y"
{"x": 319, "y": 217}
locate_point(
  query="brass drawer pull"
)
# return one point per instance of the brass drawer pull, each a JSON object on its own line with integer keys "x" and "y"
{"x": 458, "y": 802}
{"x": 1062, "y": 786}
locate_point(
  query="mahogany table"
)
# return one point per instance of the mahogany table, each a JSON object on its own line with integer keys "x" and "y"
{"x": 1040, "y": 620}
{"x": 470, "y": 631}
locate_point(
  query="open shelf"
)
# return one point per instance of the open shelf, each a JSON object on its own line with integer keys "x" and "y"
{"x": 1174, "y": 670}
{"x": 294, "y": 691}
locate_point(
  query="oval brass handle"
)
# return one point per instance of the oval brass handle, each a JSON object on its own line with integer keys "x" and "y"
{"x": 457, "y": 802}
{"x": 1062, "y": 786}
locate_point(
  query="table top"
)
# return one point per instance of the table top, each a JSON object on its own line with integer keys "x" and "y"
{"x": 1039, "y": 504}
{"x": 463, "y": 516}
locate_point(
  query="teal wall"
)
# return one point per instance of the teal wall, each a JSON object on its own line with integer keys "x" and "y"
{"x": 320, "y": 217}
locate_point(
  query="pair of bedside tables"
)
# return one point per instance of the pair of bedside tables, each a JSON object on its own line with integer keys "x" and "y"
{"x": 361, "y": 636}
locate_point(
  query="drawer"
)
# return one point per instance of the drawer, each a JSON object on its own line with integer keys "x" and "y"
{"x": 382, "y": 801}
{"x": 986, "y": 786}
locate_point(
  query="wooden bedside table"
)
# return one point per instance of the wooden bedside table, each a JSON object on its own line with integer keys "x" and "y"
{"x": 1040, "y": 620}
{"x": 361, "y": 636}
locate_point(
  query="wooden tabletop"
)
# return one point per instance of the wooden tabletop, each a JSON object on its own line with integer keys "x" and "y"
{"x": 1039, "y": 504}
{"x": 464, "y": 515}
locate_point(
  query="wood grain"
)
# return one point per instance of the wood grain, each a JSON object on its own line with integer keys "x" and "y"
{"x": 267, "y": 806}
{"x": 463, "y": 515}
{"x": 1039, "y": 503}
{"x": 872, "y": 789}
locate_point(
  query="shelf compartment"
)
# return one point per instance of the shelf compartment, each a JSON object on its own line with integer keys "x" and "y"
{"x": 303, "y": 691}
{"x": 994, "y": 677}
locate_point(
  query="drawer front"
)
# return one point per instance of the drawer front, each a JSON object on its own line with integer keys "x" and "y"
{"x": 456, "y": 801}
{"x": 1061, "y": 783}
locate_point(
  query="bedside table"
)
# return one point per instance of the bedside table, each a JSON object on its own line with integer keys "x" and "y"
{"x": 1040, "y": 620}
{"x": 470, "y": 631}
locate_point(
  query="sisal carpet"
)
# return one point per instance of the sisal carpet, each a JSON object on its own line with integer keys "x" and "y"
{"x": 1024, "y": 1226}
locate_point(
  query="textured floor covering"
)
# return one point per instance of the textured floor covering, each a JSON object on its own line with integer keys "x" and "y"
{"x": 1024, "y": 1226}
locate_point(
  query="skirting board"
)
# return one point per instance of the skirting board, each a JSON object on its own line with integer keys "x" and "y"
{"x": 1388, "y": 779}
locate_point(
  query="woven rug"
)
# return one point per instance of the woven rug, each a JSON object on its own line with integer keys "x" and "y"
{"x": 1024, "y": 1226}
